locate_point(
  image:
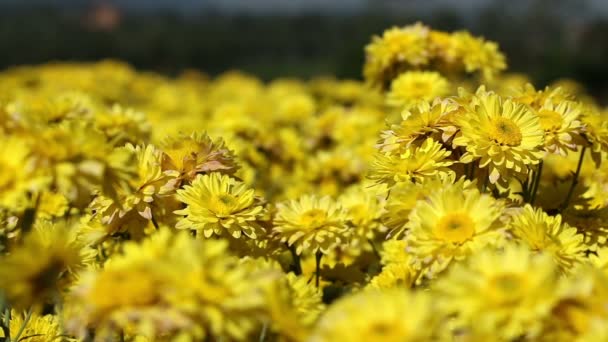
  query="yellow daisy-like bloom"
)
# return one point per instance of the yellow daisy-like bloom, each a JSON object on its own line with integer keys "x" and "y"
{"x": 196, "y": 154}
{"x": 405, "y": 316}
{"x": 478, "y": 55}
{"x": 506, "y": 294}
{"x": 395, "y": 275}
{"x": 420, "y": 122}
{"x": 596, "y": 131}
{"x": 596, "y": 188}
{"x": 452, "y": 223}
{"x": 541, "y": 232}
{"x": 398, "y": 48}
{"x": 561, "y": 125}
{"x": 136, "y": 189}
{"x": 582, "y": 314}
{"x": 415, "y": 164}
{"x": 45, "y": 264}
{"x": 16, "y": 170}
{"x": 403, "y": 198}
{"x": 169, "y": 286}
{"x": 307, "y": 299}
{"x": 311, "y": 224}
{"x": 412, "y": 87}
{"x": 38, "y": 328}
{"x": 505, "y": 136}
{"x": 218, "y": 204}
{"x": 51, "y": 205}
{"x": 364, "y": 209}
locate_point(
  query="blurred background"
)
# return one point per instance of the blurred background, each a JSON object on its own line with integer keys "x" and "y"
{"x": 547, "y": 39}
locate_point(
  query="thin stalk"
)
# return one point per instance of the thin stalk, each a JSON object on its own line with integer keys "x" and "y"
{"x": 376, "y": 253}
{"x": 318, "y": 257}
{"x": 23, "y": 325}
{"x": 296, "y": 267}
{"x": 536, "y": 182}
{"x": 484, "y": 186}
{"x": 264, "y": 332}
{"x": 574, "y": 181}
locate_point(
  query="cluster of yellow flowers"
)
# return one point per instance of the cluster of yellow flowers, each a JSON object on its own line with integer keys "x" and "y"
{"x": 440, "y": 199}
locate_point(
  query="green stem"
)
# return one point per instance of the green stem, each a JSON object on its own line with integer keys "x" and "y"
{"x": 23, "y": 325}
{"x": 318, "y": 257}
{"x": 376, "y": 253}
{"x": 296, "y": 267}
{"x": 263, "y": 332}
{"x": 536, "y": 182}
{"x": 484, "y": 186}
{"x": 574, "y": 181}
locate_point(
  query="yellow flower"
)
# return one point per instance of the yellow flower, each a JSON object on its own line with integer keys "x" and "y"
{"x": 311, "y": 224}
{"x": 506, "y": 294}
{"x": 404, "y": 316}
{"x": 170, "y": 285}
{"x": 561, "y": 125}
{"x": 16, "y": 173}
{"x": 548, "y": 234}
{"x": 596, "y": 131}
{"x": 420, "y": 122}
{"x": 478, "y": 55}
{"x": 39, "y": 328}
{"x": 413, "y": 87}
{"x": 452, "y": 223}
{"x": 415, "y": 164}
{"x": 395, "y": 275}
{"x": 196, "y": 154}
{"x": 398, "y": 48}
{"x": 45, "y": 264}
{"x": 51, "y": 205}
{"x": 364, "y": 209}
{"x": 218, "y": 204}
{"x": 505, "y": 136}
{"x": 581, "y": 313}
{"x": 137, "y": 192}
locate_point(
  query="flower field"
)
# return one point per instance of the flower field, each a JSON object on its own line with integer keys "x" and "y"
{"x": 442, "y": 198}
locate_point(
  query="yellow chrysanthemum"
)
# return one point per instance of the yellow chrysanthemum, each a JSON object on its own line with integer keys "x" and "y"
{"x": 16, "y": 170}
{"x": 399, "y": 47}
{"x": 404, "y": 316}
{"x": 311, "y": 224}
{"x": 478, "y": 55}
{"x": 38, "y": 328}
{"x": 561, "y": 125}
{"x": 506, "y": 294}
{"x": 403, "y": 197}
{"x": 581, "y": 313}
{"x": 415, "y": 164}
{"x": 596, "y": 131}
{"x": 413, "y": 87}
{"x": 395, "y": 275}
{"x": 169, "y": 286}
{"x": 420, "y": 122}
{"x": 452, "y": 223}
{"x": 504, "y": 136}
{"x": 548, "y": 234}
{"x": 218, "y": 204}
{"x": 196, "y": 154}
{"x": 45, "y": 264}
{"x": 139, "y": 188}
{"x": 364, "y": 209}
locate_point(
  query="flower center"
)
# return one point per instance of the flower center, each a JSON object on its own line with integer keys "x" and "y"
{"x": 549, "y": 120}
{"x": 223, "y": 204}
{"x": 455, "y": 228}
{"x": 506, "y": 288}
{"x": 505, "y": 132}
{"x": 314, "y": 218}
